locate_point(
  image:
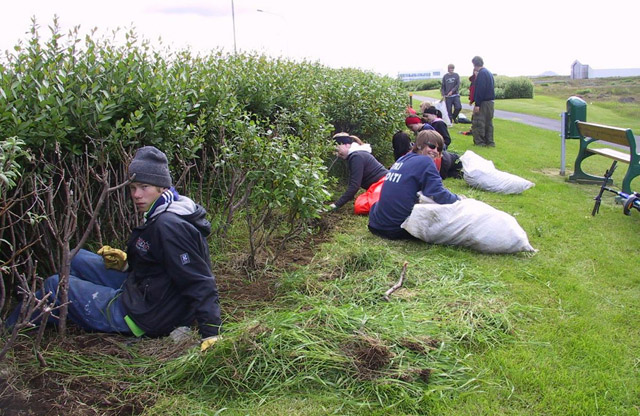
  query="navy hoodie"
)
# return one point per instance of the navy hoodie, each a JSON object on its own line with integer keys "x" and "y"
{"x": 410, "y": 174}
{"x": 170, "y": 282}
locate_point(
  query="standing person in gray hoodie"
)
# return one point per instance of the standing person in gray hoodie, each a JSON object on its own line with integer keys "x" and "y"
{"x": 364, "y": 168}
{"x": 162, "y": 281}
{"x": 450, "y": 90}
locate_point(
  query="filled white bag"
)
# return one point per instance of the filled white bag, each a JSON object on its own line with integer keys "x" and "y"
{"x": 467, "y": 223}
{"x": 482, "y": 174}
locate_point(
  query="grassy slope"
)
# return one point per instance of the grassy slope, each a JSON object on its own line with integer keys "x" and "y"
{"x": 571, "y": 343}
{"x": 554, "y": 333}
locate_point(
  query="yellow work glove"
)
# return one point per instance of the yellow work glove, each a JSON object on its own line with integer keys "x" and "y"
{"x": 208, "y": 342}
{"x": 113, "y": 258}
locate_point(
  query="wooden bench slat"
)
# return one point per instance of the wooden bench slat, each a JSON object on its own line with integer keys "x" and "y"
{"x": 612, "y": 154}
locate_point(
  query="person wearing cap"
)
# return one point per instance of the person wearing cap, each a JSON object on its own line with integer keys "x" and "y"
{"x": 162, "y": 281}
{"x": 364, "y": 168}
{"x": 450, "y": 90}
{"x": 433, "y": 116}
{"x": 416, "y": 124}
{"x": 412, "y": 173}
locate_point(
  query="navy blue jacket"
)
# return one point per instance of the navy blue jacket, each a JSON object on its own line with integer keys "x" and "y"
{"x": 410, "y": 174}
{"x": 170, "y": 282}
{"x": 484, "y": 87}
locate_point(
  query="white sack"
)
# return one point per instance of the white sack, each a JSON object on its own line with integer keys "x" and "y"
{"x": 482, "y": 174}
{"x": 467, "y": 223}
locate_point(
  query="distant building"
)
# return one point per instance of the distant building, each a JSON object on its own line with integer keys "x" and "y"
{"x": 417, "y": 75}
{"x": 580, "y": 71}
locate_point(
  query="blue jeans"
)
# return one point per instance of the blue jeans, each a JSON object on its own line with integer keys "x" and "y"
{"x": 94, "y": 295}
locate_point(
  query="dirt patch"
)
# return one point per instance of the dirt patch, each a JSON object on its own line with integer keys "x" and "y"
{"x": 372, "y": 358}
{"x": 554, "y": 173}
{"x": 369, "y": 355}
{"x": 48, "y": 392}
{"x": 242, "y": 291}
{"x": 53, "y": 393}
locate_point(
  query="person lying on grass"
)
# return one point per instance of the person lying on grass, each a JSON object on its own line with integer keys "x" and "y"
{"x": 413, "y": 172}
{"x": 162, "y": 281}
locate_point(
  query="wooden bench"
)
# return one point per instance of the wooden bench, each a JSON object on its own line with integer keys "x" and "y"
{"x": 600, "y": 134}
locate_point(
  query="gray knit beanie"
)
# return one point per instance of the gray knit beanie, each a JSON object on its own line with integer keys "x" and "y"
{"x": 151, "y": 167}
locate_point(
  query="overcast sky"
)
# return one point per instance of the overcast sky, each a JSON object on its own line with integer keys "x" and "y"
{"x": 384, "y": 36}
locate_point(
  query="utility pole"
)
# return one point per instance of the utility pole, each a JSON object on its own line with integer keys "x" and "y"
{"x": 233, "y": 18}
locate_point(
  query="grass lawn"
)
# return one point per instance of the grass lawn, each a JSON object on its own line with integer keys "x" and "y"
{"x": 554, "y": 333}
{"x": 551, "y": 333}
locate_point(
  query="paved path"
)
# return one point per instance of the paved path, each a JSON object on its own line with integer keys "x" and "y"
{"x": 542, "y": 122}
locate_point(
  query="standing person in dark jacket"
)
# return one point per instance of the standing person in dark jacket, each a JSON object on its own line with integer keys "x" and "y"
{"x": 164, "y": 279}
{"x": 364, "y": 169}
{"x": 484, "y": 94}
{"x": 450, "y": 90}
{"x": 413, "y": 172}
{"x": 433, "y": 117}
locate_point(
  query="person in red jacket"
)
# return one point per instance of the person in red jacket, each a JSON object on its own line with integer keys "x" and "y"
{"x": 472, "y": 90}
{"x": 472, "y": 87}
